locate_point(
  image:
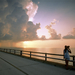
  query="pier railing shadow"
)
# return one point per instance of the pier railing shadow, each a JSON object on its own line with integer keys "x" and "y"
{"x": 37, "y": 55}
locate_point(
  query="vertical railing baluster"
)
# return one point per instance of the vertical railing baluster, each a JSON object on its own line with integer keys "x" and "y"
{"x": 30, "y": 54}
{"x": 6, "y": 50}
{"x": 14, "y": 51}
{"x": 73, "y": 60}
{"x": 10, "y": 50}
{"x": 45, "y": 56}
{"x": 21, "y": 53}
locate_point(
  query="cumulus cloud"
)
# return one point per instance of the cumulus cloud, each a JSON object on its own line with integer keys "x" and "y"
{"x": 43, "y": 37}
{"x": 52, "y": 32}
{"x": 14, "y": 20}
{"x": 30, "y": 32}
{"x": 71, "y": 35}
{"x": 53, "y": 22}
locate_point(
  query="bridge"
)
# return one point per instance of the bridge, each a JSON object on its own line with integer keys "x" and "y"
{"x": 17, "y": 65}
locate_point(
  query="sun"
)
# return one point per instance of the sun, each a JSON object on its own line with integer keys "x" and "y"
{"x": 31, "y": 19}
{"x": 25, "y": 43}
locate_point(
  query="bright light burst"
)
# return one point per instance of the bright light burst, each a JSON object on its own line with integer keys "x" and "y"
{"x": 25, "y": 43}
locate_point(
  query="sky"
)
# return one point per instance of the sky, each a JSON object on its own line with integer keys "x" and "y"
{"x": 37, "y": 23}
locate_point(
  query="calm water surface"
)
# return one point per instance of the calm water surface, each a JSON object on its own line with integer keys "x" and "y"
{"x": 47, "y": 50}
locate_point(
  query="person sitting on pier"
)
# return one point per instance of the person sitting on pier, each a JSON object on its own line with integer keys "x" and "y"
{"x": 66, "y": 55}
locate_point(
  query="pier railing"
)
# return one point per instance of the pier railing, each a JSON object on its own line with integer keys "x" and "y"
{"x": 32, "y": 54}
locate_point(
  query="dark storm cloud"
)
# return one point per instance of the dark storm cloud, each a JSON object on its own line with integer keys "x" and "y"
{"x": 31, "y": 31}
{"x": 14, "y": 21}
{"x": 6, "y": 37}
{"x": 1, "y": 27}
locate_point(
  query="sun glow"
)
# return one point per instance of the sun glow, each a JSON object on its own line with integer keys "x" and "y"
{"x": 25, "y": 43}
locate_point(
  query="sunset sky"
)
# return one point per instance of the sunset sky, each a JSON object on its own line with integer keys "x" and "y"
{"x": 37, "y": 23}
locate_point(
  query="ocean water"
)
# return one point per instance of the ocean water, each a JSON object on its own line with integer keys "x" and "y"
{"x": 47, "y": 50}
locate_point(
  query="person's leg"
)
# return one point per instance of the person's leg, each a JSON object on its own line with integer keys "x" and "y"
{"x": 66, "y": 64}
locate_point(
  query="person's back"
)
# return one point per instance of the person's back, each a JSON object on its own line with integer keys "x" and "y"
{"x": 66, "y": 55}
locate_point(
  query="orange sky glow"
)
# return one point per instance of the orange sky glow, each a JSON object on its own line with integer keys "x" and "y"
{"x": 39, "y": 44}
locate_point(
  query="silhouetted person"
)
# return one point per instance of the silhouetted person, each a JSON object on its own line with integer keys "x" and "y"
{"x": 66, "y": 55}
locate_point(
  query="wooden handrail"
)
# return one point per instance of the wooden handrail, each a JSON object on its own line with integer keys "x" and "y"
{"x": 31, "y": 53}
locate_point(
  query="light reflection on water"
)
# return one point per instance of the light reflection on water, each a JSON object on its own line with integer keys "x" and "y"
{"x": 49, "y": 50}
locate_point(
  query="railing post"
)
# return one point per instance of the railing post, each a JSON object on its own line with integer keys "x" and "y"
{"x": 30, "y": 54}
{"x": 6, "y": 50}
{"x": 45, "y": 56}
{"x": 10, "y": 50}
{"x": 73, "y": 60}
{"x": 0, "y": 49}
{"x": 21, "y": 53}
{"x": 14, "y": 51}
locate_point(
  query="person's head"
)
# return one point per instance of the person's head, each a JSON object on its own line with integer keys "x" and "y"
{"x": 68, "y": 47}
{"x": 65, "y": 47}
